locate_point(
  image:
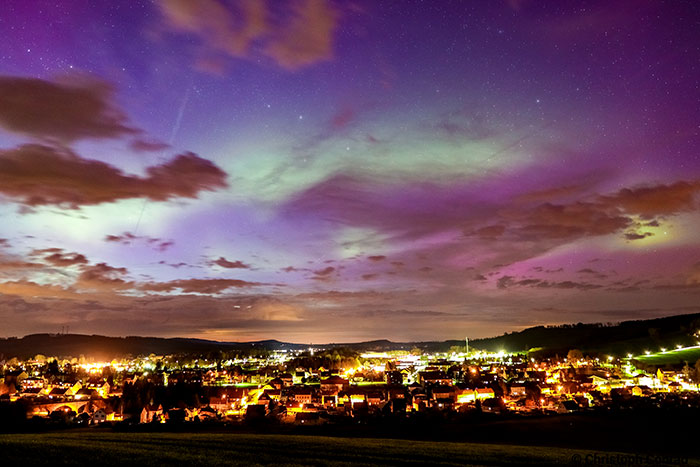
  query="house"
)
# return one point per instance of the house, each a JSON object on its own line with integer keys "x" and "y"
{"x": 32, "y": 383}
{"x": 151, "y": 413}
{"x": 334, "y": 383}
{"x": 493, "y": 405}
{"x": 568, "y": 406}
{"x": 518, "y": 391}
{"x": 674, "y": 386}
{"x": 307, "y": 418}
{"x": 85, "y": 393}
{"x": 264, "y": 399}
{"x": 329, "y": 398}
{"x": 100, "y": 386}
{"x": 99, "y": 416}
{"x": 274, "y": 394}
{"x": 396, "y": 393}
{"x": 393, "y": 377}
{"x": 374, "y": 398}
{"x": 299, "y": 377}
{"x": 434, "y": 377}
{"x": 276, "y": 383}
{"x": 443, "y": 392}
{"x": 484, "y": 393}
{"x": 599, "y": 381}
{"x": 57, "y": 393}
{"x": 287, "y": 379}
{"x": 465, "y": 396}
{"x": 30, "y": 392}
{"x": 301, "y": 395}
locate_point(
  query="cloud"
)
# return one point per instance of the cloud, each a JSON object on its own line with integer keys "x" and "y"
{"x": 201, "y": 286}
{"x": 144, "y": 145}
{"x": 292, "y": 269}
{"x": 224, "y": 263}
{"x": 376, "y": 258}
{"x": 506, "y": 282}
{"x": 66, "y": 111}
{"x": 36, "y": 175}
{"x": 566, "y": 221}
{"x": 30, "y": 289}
{"x": 637, "y": 236}
{"x": 66, "y": 259}
{"x": 102, "y": 276}
{"x": 308, "y": 36}
{"x": 296, "y": 35}
{"x": 15, "y": 264}
{"x": 323, "y": 274}
{"x": 491, "y": 231}
{"x": 343, "y": 118}
{"x": 127, "y": 238}
{"x": 325, "y": 271}
{"x": 216, "y": 25}
{"x": 657, "y": 200}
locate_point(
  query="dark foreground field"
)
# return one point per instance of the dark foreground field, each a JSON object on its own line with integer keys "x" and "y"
{"x": 150, "y": 449}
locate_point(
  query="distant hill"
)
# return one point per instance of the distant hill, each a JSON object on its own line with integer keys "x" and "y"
{"x": 107, "y": 348}
{"x": 619, "y": 339}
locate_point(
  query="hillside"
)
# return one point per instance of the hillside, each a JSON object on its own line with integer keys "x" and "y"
{"x": 620, "y": 339}
{"x": 107, "y": 348}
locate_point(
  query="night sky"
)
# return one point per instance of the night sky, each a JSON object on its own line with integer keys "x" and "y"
{"x": 326, "y": 171}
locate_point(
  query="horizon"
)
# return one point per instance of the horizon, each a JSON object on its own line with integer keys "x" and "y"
{"x": 230, "y": 170}
{"x": 274, "y": 339}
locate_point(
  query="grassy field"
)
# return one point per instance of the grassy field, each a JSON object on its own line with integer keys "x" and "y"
{"x": 690, "y": 355}
{"x": 152, "y": 449}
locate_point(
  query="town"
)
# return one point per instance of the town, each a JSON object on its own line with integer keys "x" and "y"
{"x": 325, "y": 386}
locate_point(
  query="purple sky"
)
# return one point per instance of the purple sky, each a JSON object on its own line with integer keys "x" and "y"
{"x": 325, "y": 171}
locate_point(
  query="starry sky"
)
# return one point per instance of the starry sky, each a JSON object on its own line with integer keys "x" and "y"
{"x": 333, "y": 171}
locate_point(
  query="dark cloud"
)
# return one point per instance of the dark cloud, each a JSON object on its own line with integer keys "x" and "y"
{"x": 224, "y": 263}
{"x": 552, "y": 221}
{"x": 294, "y": 36}
{"x": 567, "y": 285}
{"x": 657, "y": 200}
{"x": 127, "y": 238}
{"x": 343, "y": 118}
{"x": 307, "y": 36}
{"x": 637, "y": 236}
{"x": 491, "y": 231}
{"x": 202, "y": 286}
{"x": 65, "y": 112}
{"x": 66, "y": 259}
{"x": 15, "y": 264}
{"x": 102, "y": 276}
{"x": 376, "y": 258}
{"x": 325, "y": 271}
{"x": 144, "y": 145}
{"x": 506, "y": 282}
{"x": 37, "y": 175}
